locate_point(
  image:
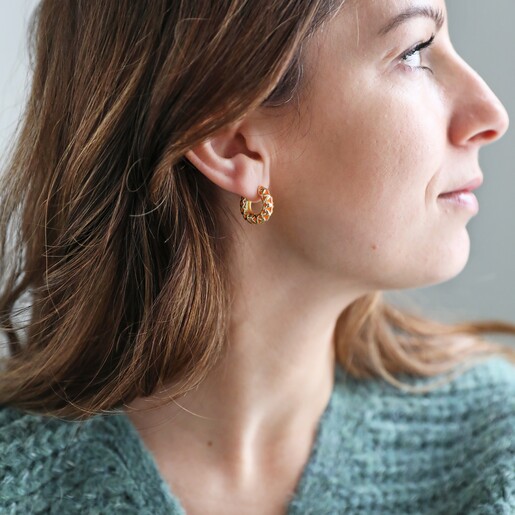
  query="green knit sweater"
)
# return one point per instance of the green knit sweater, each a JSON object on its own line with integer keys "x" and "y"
{"x": 377, "y": 450}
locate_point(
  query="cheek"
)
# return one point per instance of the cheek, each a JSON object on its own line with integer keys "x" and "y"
{"x": 365, "y": 176}
{"x": 381, "y": 161}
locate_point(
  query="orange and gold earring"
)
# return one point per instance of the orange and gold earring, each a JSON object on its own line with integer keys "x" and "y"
{"x": 266, "y": 210}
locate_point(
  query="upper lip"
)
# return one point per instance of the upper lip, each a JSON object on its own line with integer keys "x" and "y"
{"x": 468, "y": 186}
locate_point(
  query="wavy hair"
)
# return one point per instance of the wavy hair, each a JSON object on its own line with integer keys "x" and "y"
{"x": 112, "y": 268}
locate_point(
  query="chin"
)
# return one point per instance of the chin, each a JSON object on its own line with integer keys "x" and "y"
{"x": 448, "y": 264}
{"x": 439, "y": 264}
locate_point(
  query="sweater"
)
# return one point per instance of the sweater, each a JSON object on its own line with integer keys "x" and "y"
{"x": 377, "y": 450}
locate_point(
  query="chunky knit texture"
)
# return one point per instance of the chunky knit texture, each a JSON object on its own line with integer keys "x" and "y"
{"x": 377, "y": 450}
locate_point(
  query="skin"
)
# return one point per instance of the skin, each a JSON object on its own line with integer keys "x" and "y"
{"x": 355, "y": 175}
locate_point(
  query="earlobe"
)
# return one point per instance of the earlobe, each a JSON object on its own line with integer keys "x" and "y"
{"x": 228, "y": 163}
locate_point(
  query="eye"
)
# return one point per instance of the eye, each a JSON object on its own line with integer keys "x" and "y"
{"x": 414, "y": 53}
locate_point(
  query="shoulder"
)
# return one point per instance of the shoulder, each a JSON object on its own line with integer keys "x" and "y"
{"x": 50, "y": 464}
{"x": 489, "y": 379}
{"x": 452, "y": 447}
{"x": 493, "y": 373}
{"x": 477, "y": 411}
{"x": 477, "y": 403}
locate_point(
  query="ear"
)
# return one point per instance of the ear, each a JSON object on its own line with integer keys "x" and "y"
{"x": 233, "y": 160}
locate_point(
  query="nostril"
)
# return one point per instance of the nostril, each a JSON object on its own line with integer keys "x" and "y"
{"x": 491, "y": 134}
{"x": 486, "y": 136}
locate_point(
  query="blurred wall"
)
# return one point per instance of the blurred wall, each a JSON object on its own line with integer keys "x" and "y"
{"x": 13, "y": 64}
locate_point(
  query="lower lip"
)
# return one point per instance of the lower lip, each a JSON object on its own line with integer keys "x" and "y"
{"x": 465, "y": 199}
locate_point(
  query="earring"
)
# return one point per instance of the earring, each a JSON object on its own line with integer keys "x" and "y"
{"x": 266, "y": 209}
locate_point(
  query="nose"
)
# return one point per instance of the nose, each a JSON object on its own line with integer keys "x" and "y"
{"x": 479, "y": 117}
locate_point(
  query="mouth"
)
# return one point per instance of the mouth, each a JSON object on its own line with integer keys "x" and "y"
{"x": 454, "y": 193}
{"x": 465, "y": 188}
{"x": 461, "y": 199}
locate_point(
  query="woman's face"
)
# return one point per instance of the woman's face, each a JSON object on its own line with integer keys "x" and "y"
{"x": 356, "y": 181}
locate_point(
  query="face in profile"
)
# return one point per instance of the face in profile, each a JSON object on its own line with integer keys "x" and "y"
{"x": 391, "y": 118}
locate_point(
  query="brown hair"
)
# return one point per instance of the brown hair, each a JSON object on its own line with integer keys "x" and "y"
{"x": 111, "y": 238}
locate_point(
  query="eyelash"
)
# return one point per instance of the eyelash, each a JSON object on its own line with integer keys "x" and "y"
{"x": 416, "y": 49}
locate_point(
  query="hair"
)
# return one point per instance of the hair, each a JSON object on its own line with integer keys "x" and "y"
{"x": 111, "y": 252}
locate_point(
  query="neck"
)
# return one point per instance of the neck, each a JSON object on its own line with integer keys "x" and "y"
{"x": 264, "y": 398}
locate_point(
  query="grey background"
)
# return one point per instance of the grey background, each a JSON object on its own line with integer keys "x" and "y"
{"x": 13, "y": 64}
{"x": 482, "y": 32}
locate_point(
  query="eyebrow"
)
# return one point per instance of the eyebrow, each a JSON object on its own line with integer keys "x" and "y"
{"x": 414, "y": 12}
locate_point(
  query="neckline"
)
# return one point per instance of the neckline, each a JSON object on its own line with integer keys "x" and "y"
{"x": 320, "y": 457}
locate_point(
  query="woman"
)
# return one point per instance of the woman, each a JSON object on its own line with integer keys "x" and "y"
{"x": 185, "y": 354}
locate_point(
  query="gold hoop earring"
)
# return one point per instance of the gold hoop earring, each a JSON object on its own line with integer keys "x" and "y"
{"x": 266, "y": 210}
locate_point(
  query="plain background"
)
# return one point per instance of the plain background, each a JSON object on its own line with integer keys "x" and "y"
{"x": 483, "y": 34}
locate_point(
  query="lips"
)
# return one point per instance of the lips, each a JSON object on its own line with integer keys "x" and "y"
{"x": 469, "y": 186}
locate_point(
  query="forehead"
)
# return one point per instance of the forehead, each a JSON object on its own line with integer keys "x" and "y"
{"x": 372, "y": 17}
{"x": 362, "y": 27}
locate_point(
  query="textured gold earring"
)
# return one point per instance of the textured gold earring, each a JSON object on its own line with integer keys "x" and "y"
{"x": 266, "y": 210}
